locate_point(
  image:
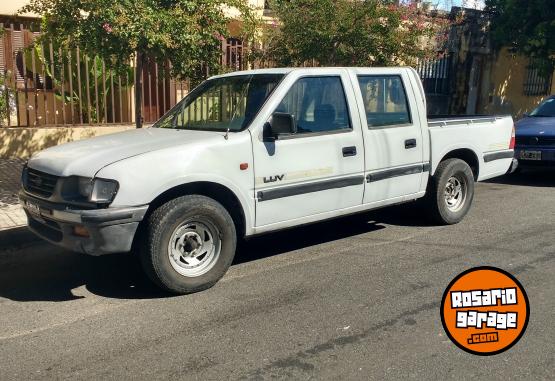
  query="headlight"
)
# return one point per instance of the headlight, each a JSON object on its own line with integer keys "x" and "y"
{"x": 103, "y": 191}
{"x": 85, "y": 189}
{"x": 84, "y": 186}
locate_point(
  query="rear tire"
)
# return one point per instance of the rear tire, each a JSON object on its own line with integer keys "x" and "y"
{"x": 188, "y": 244}
{"x": 450, "y": 191}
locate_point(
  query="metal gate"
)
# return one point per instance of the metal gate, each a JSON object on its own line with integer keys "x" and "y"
{"x": 435, "y": 74}
{"x": 43, "y": 85}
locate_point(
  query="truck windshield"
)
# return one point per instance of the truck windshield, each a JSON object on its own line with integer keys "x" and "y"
{"x": 545, "y": 109}
{"x": 221, "y": 104}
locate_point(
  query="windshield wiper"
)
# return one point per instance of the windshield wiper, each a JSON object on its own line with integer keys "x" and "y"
{"x": 542, "y": 116}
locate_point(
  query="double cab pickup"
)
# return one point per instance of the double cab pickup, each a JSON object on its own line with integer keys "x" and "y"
{"x": 257, "y": 151}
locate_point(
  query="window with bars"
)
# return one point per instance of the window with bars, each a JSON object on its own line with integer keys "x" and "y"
{"x": 535, "y": 81}
{"x": 435, "y": 75}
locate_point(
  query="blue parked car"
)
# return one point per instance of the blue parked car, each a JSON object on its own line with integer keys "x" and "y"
{"x": 535, "y": 136}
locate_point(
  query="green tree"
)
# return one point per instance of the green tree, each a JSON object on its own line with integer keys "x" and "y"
{"x": 187, "y": 33}
{"x": 351, "y": 33}
{"x": 527, "y": 26}
{"x": 4, "y": 101}
{"x": 4, "y": 97}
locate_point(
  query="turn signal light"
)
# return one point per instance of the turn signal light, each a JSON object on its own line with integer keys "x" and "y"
{"x": 80, "y": 231}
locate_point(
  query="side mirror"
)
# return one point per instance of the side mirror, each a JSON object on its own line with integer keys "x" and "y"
{"x": 281, "y": 123}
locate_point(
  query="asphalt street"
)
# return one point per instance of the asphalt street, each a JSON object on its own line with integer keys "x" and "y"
{"x": 353, "y": 298}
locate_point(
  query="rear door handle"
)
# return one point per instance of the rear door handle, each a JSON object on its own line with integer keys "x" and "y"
{"x": 410, "y": 143}
{"x": 349, "y": 151}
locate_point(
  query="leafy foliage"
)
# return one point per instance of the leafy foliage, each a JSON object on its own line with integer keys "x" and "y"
{"x": 526, "y": 26}
{"x": 4, "y": 101}
{"x": 351, "y": 33}
{"x": 4, "y": 96}
{"x": 187, "y": 33}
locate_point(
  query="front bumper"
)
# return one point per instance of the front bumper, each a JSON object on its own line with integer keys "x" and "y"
{"x": 110, "y": 230}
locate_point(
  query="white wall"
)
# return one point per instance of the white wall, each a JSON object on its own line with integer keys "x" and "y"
{"x": 10, "y": 7}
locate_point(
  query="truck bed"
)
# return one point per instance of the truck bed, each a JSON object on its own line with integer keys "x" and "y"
{"x": 487, "y": 136}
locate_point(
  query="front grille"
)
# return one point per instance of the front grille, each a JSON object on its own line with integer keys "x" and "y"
{"x": 535, "y": 140}
{"x": 39, "y": 183}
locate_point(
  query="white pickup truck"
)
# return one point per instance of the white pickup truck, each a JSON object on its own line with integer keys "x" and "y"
{"x": 253, "y": 152}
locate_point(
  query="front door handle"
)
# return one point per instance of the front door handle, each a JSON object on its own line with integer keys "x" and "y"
{"x": 349, "y": 151}
{"x": 410, "y": 143}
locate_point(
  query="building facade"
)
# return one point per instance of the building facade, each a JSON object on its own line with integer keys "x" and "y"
{"x": 52, "y": 96}
{"x": 475, "y": 77}
{"x": 469, "y": 76}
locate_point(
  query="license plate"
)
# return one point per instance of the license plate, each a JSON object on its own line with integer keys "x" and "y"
{"x": 33, "y": 208}
{"x": 531, "y": 155}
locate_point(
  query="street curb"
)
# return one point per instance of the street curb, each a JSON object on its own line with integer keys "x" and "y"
{"x": 16, "y": 237}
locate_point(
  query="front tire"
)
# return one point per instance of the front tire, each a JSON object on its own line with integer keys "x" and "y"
{"x": 451, "y": 191}
{"x": 189, "y": 244}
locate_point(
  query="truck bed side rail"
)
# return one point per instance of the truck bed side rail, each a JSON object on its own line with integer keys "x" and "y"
{"x": 444, "y": 122}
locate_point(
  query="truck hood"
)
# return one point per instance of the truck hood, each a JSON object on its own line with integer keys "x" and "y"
{"x": 87, "y": 157}
{"x": 533, "y": 126}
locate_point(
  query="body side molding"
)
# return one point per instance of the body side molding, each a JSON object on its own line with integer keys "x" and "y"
{"x": 497, "y": 155}
{"x": 294, "y": 190}
{"x": 395, "y": 172}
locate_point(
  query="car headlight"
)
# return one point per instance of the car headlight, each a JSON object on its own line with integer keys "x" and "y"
{"x": 103, "y": 191}
{"x": 84, "y": 187}
{"x": 87, "y": 190}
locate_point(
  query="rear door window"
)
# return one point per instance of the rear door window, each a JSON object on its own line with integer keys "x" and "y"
{"x": 385, "y": 101}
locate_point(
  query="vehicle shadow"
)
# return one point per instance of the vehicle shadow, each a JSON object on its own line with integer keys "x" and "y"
{"x": 527, "y": 177}
{"x": 42, "y": 272}
{"x": 271, "y": 244}
{"x": 268, "y": 245}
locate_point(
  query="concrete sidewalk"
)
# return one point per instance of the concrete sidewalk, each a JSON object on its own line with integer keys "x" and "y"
{"x": 11, "y": 213}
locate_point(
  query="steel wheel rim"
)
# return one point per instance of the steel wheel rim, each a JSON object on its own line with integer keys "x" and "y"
{"x": 194, "y": 247}
{"x": 455, "y": 193}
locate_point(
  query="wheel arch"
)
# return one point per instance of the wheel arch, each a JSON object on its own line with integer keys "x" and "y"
{"x": 216, "y": 191}
{"x": 467, "y": 155}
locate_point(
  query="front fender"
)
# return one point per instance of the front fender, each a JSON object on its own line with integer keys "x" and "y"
{"x": 143, "y": 178}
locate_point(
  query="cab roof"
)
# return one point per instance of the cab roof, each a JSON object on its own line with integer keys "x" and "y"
{"x": 287, "y": 70}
